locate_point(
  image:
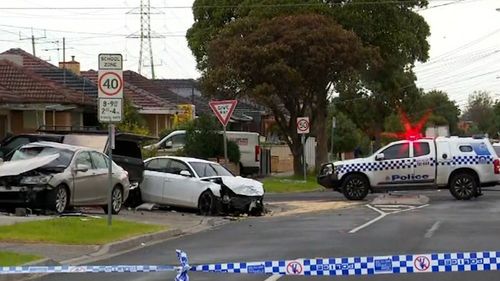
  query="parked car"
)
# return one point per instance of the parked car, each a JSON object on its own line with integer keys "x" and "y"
{"x": 248, "y": 143}
{"x": 204, "y": 185}
{"x": 127, "y": 152}
{"x": 55, "y": 176}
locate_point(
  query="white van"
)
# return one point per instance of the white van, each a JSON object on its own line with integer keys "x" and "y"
{"x": 248, "y": 142}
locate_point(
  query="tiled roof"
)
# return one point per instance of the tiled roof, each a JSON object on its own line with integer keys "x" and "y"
{"x": 146, "y": 84}
{"x": 32, "y": 88}
{"x": 137, "y": 96}
{"x": 7, "y": 96}
{"x": 63, "y": 77}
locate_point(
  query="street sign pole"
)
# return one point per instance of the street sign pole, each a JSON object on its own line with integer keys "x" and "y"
{"x": 331, "y": 142}
{"x": 304, "y": 156}
{"x": 111, "y": 145}
{"x": 303, "y": 128}
{"x": 110, "y": 108}
{"x": 225, "y": 147}
{"x": 223, "y": 110}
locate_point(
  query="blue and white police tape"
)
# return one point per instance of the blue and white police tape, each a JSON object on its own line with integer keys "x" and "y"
{"x": 181, "y": 270}
{"x": 443, "y": 262}
{"x": 369, "y": 265}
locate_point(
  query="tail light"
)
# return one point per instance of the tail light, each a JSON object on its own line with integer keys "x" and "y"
{"x": 257, "y": 153}
{"x": 496, "y": 166}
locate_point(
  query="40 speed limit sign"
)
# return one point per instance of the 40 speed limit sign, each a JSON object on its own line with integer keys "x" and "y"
{"x": 110, "y": 84}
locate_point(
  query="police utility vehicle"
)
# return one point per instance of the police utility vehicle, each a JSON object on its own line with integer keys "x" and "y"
{"x": 463, "y": 165}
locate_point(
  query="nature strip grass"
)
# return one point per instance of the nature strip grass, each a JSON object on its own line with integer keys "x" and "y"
{"x": 11, "y": 259}
{"x": 74, "y": 231}
{"x": 290, "y": 184}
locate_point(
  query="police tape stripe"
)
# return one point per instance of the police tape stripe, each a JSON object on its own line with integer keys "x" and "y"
{"x": 442, "y": 262}
{"x": 86, "y": 269}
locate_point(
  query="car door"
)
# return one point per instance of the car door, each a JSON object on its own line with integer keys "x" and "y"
{"x": 395, "y": 168}
{"x": 84, "y": 182}
{"x": 101, "y": 177}
{"x": 182, "y": 190}
{"x": 424, "y": 164}
{"x": 153, "y": 179}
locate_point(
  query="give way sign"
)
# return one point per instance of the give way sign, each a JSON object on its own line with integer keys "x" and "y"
{"x": 223, "y": 109}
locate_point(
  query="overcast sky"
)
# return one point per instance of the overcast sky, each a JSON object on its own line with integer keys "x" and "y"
{"x": 464, "y": 55}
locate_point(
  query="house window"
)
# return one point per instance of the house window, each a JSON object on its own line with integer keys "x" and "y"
{"x": 32, "y": 119}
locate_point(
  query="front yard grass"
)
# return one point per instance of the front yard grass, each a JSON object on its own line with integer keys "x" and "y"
{"x": 277, "y": 184}
{"x": 12, "y": 259}
{"x": 75, "y": 231}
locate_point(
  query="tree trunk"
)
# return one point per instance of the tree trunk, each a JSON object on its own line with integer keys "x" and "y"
{"x": 298, "y": 169}
{"x": 321, "y": 114}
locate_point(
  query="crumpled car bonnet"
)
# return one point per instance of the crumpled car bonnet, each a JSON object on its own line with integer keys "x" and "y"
{"x": 17, "y": 167}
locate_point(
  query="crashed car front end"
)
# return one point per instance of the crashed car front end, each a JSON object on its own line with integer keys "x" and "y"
{"x": 27, "y": 190}
{"x": 23, "y": 184}
{"x": 240, "y": 195}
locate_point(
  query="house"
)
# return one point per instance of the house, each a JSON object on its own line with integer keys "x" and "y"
{"x": 158, "y": 113}
{"x": 29, "y": 100}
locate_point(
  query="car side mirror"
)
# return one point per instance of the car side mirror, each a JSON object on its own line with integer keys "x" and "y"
{"x": 81, "y": 168}
{"x": 379, "y": 157}
{"x": 168, "y": 144}
{"x": 185, "y": 173}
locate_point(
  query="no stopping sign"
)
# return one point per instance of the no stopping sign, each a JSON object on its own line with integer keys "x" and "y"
{"x": 303, "y": 125}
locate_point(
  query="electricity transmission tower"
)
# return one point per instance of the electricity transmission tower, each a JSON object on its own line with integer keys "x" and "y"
{"x": 145, "y": 34}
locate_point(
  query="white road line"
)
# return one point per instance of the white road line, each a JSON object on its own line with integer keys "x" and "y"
{"x": 433, "y": 229}
{"x": 274, "y": 277}
{"x": 390, "y": 209}
{"x": 382, "y": 215}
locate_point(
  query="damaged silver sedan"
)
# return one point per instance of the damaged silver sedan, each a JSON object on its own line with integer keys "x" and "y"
{"x": 47, "y": 175}
{"x": 200, "y": 184}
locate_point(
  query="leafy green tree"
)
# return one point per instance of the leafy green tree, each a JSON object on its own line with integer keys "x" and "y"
{"x": 346, "y": 136}
{"x": 287, "y": 64}
{"x": 204, "y": 140}
{"x": 132, "y": 121}
{"x": 480, "y": 110}
{"x": 443, "y": 110}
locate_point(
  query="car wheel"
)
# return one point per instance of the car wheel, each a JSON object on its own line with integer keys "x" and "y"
{"x": 207, "y": 204}
{"x": 58, "y": 199}
{"x": 116, "y": 201}
{"x": 355, "y": 187}
{"x": 463, "y": 186}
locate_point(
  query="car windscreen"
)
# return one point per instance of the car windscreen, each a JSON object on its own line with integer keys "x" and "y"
{"x": 62, "y": 161}
{"x": 204, "y": 170}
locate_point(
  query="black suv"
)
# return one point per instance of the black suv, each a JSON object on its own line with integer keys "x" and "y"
{"x": 127, "y": 152}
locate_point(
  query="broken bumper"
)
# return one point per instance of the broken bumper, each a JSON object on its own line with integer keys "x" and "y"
{"x": 23, "y": 196}
{"x": 244, "y": 204}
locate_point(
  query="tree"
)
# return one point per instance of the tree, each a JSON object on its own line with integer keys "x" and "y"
{"x": 346, "y": 136}
{"x": 287, "y": 64}
{"x": 480, "y": 110}
{"x": 132, "y": 121}
{"x": 444, "y": 111}
{"x": 400, "y": 35}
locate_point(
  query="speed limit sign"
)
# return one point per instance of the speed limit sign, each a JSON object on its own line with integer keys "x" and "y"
{"x": 110, "y": 84}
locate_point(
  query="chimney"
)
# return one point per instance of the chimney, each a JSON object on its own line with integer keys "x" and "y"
{"x": 72, "y": 65}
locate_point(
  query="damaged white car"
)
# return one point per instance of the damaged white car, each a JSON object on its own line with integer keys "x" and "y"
{"x": 201, "y": 184}
{"x": 48, "y": 175}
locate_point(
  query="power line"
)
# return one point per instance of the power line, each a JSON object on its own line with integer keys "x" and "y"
{"x": 287, "y": 5}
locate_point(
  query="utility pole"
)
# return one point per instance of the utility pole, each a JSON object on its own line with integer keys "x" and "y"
{"x": 64, "y": 56}
{"x": 33, "y": 39}
{"x": 145, "y": 34}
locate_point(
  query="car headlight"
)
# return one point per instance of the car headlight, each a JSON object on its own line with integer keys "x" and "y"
{"x": 36, "y": 180}
{"x": 327, "y": 170}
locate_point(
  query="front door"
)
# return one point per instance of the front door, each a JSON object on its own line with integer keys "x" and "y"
{"x": 85, "y": 184}
{"x": 395, "y": 168}
{"x": 181, "y": 190}
{"x": 424, "y": 164}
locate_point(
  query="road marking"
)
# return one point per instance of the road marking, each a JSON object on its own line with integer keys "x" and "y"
{"x": 383, "y": 214}
{"x": 433, "y": 229}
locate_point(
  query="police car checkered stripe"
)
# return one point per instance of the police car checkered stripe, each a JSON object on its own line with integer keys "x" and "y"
{"x": 85, "y": 269}
{"x": 443, "y": 262}
{"x": 408, "y": 163}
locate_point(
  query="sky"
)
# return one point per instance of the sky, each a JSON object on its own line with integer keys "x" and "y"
{"x": 464, "y": 53}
